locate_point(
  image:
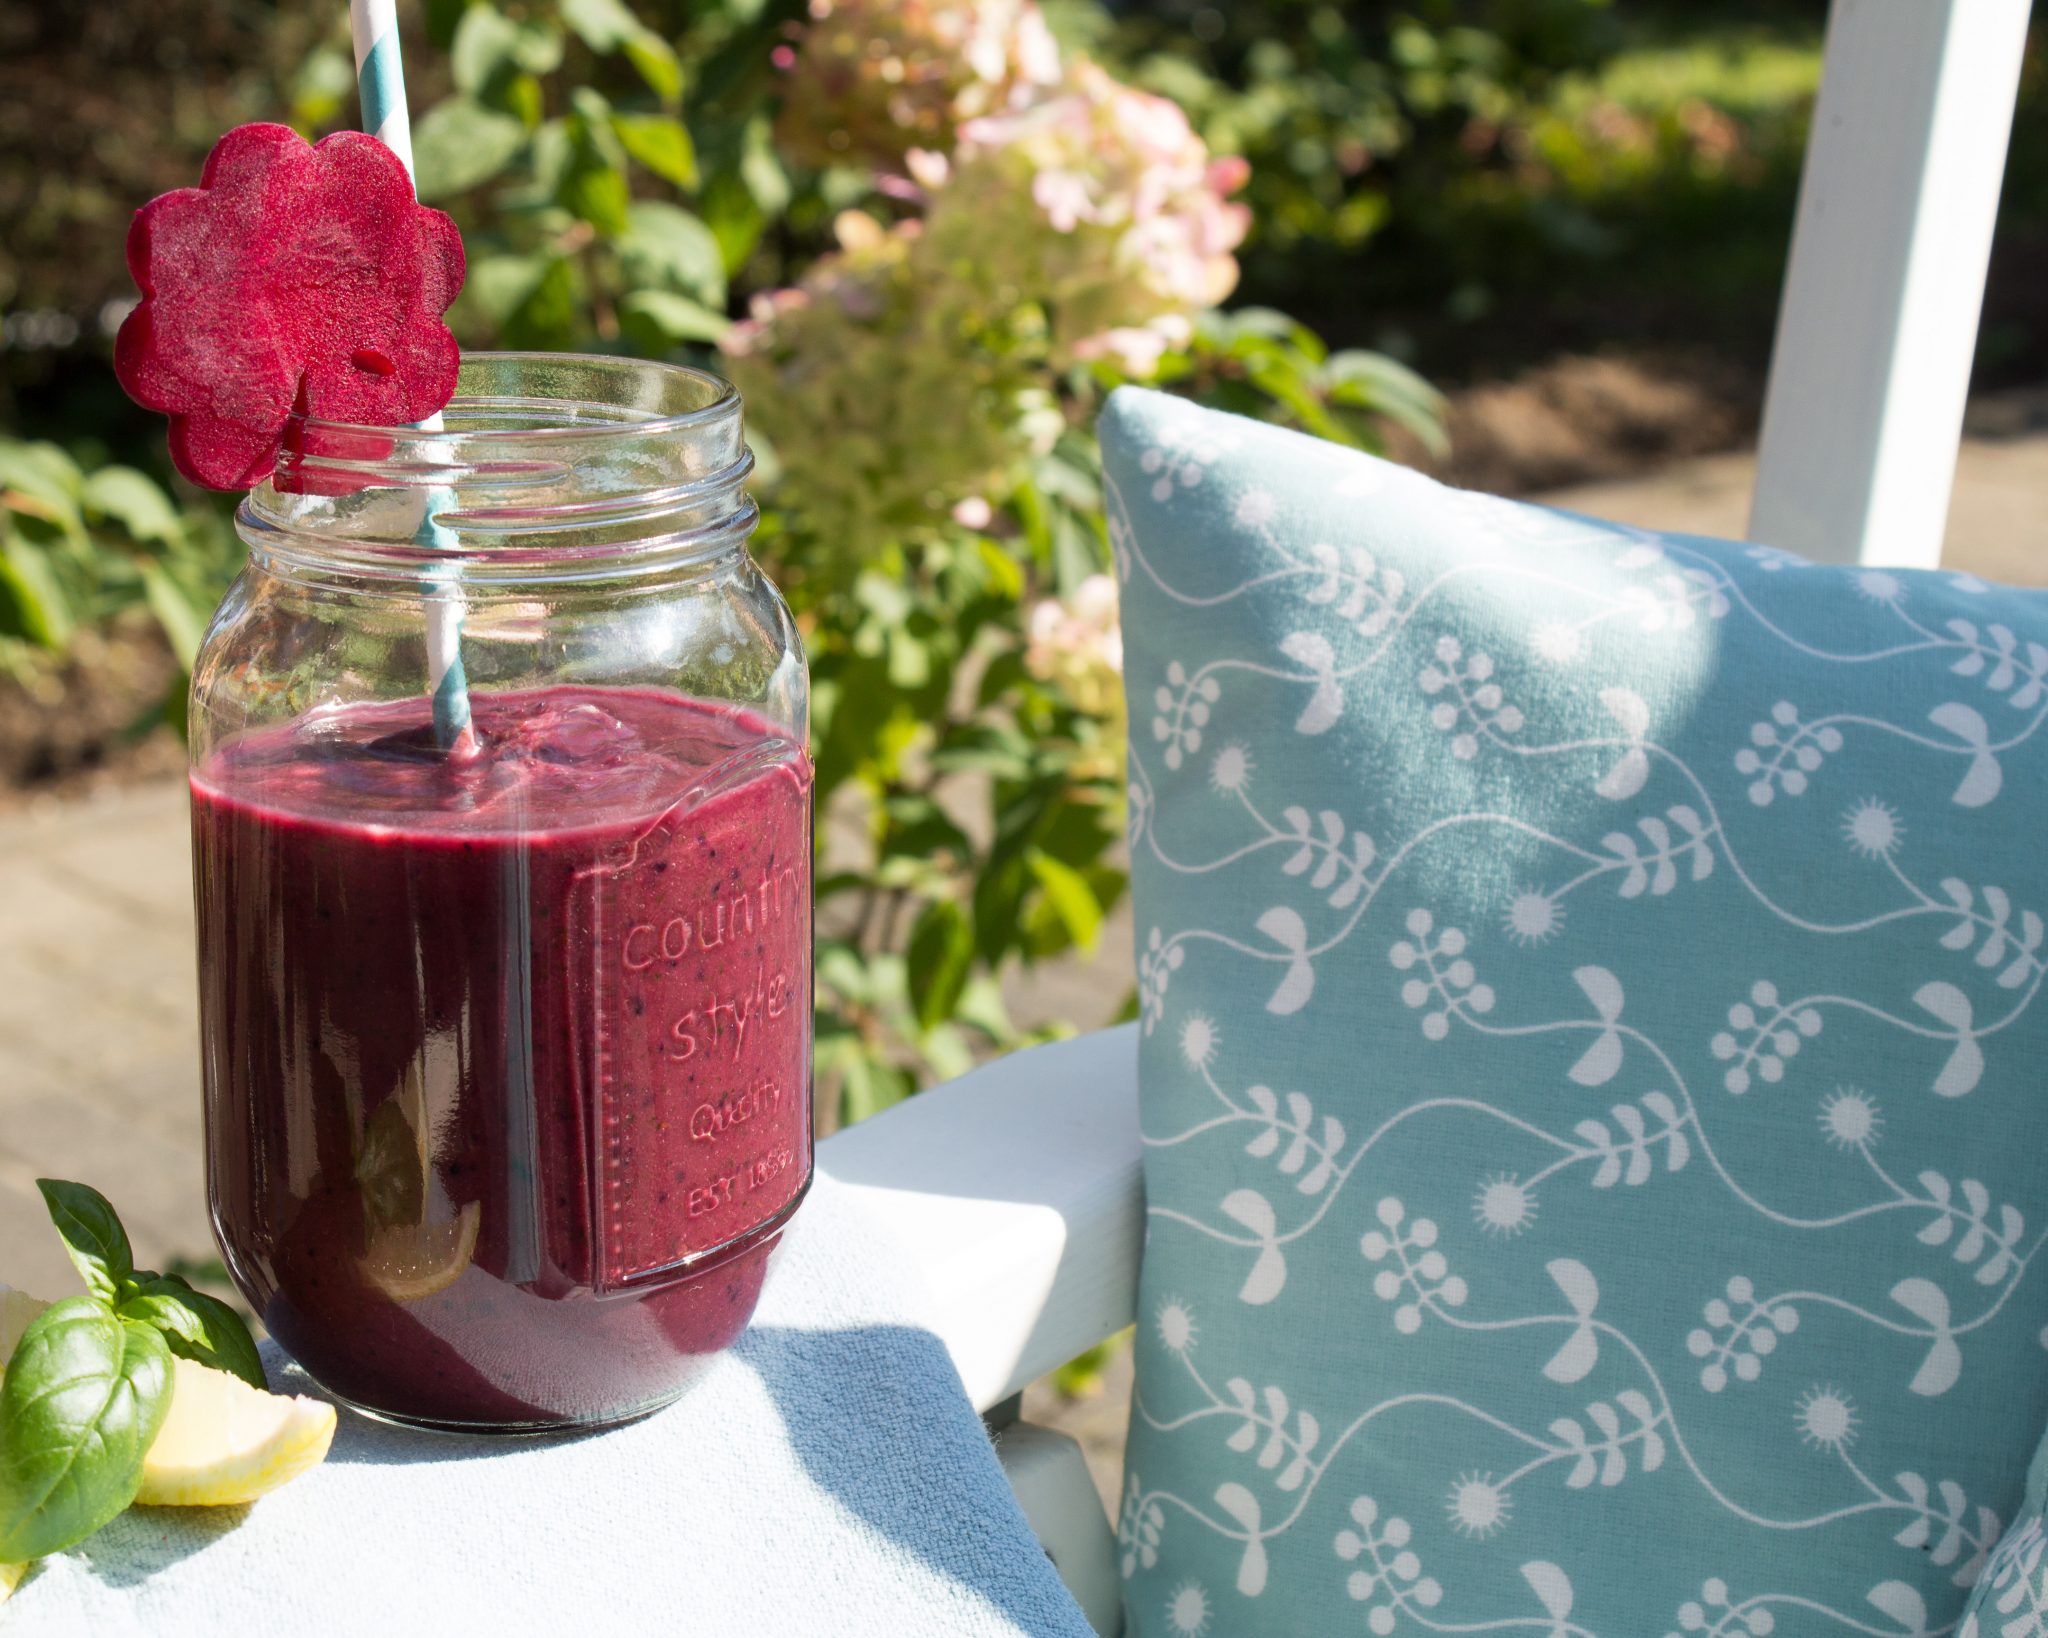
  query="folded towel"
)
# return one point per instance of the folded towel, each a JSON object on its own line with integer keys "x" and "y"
{"x": 828, "y": 1476}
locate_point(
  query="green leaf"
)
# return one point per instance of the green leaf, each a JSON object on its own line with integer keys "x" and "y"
{"x": 197, "y": 1327}
{"x": 461, "y": 144}
{"x": 497, "y": 286}
{"x": 736, "y": 221}
{"x": 662, "y": 143}
{"x": 40, "y": 481}
{"x": 762, "y": 171}
{"x": 941, "y": 952}
{"x": 522, "y": 97}
{"x": 664, "y": 246}
{"x": 40, "y": 469}
{"x": 1071, "y": 897}
{"x": 998, "y": 902}
{"x": 1075, "y": 552}
{"x": 656, "y": 60}
{"x": 671, "y": 317}
{"x": 324, "y": 85}
{"x": 184, "y": 625}
{"x": 32, "y": 604}
{"x": 92, "y": 1235}
{"x": 599, "y": 195}
{"x": 85, "y": 1395}
{"x": 603, "y": 25}
{"x": 443, "y": 18}
{"x": 491, "y": 49}
{"x": 607, "y": 26}
{"x": 1378, "y": 383}
{"x": 593, "y": 182}
{"x": 175, "y": 713}
{"x": 981, "y": 1007}
{"x": 1081, "y": 1376}
{"x": 135, "y": 502}
{"x": 870, "y": 1086}
{"x": 482, "y": 48}
{"x": 524, "y": 301}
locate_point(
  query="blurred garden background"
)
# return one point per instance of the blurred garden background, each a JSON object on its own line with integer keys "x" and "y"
{"x": 1527, "y": 243}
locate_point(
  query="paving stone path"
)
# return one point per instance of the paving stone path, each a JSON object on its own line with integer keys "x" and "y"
{"x": 99, "y": 1039}
{"x": 99, "y": 1049}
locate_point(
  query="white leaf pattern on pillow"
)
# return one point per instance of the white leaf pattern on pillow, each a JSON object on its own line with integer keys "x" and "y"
{"x": 1927, "y": 1302}
{"x": 1311, "y": 650}
{"x": 1243, "y": 1506}
{"x": 1965, "y": 1065}
{"x": 1286, "y": 929}
{"x": 1574, "y": 1361}
{"x": 1632, "y": 772}
{"x": 1268, "y": 1274}
{"x": 1985, "y": 778}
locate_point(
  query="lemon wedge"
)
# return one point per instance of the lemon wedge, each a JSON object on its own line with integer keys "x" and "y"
{"x": 225, "y": 1442}
{"x": 10, "y": 1578}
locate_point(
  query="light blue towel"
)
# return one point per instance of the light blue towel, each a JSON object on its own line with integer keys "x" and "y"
{"x": 827, "y": 1477}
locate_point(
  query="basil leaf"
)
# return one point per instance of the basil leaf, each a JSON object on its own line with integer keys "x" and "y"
{"x": 84, "y": 1397}
{"x": 198, "y": 1327}
{"x": 92, "y": 1234}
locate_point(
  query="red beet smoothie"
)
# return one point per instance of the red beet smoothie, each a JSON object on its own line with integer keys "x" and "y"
{"x": 507, "y": 1064}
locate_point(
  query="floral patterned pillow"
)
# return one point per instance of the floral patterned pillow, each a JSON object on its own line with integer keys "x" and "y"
{"x": 2011, "y": 1597}
{"x": 1592, "y": 1074}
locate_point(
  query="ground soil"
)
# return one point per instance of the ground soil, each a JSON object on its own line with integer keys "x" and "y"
{"x": 78, "y": 728}
{"x": 1580, "y": 418}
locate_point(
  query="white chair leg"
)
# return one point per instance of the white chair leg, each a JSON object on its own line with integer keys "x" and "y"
{"x": 1050, "y": 1476}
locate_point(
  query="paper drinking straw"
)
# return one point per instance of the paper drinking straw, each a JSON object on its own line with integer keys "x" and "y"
{"x": 380, "y": 82}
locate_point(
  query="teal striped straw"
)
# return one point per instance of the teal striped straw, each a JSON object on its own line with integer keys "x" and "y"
{"x": 380, "y": 82}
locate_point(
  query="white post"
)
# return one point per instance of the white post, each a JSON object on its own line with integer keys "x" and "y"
{"x": 1879, "y": 321}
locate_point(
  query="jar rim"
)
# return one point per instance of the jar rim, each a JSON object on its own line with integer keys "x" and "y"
{"x": 725, "y": 401}
{"x": 549, "y": 461}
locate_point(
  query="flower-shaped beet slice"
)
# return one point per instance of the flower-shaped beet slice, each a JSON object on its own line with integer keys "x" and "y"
{"x": 293, "y": 276}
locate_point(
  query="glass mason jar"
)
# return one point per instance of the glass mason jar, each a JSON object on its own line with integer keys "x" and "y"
{"x": 507, "y": 1034}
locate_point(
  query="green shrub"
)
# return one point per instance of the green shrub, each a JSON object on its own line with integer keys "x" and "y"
{"x": 80, "y": 548}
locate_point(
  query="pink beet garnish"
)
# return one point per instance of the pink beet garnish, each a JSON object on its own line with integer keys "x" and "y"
{"x": 294, "y": 276}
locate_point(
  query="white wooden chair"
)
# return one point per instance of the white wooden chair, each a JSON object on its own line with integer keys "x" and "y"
{"x": 1018, "y": 1186}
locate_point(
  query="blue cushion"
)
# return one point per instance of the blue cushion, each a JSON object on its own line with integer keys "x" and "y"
{"x": 1592, "y": 1063}
{"x": 2011, "y": 1596}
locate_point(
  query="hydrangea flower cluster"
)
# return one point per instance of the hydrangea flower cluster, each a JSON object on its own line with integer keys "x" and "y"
{"x": 869, "y": 80}
{"x": 1077, "y": 644}
{"x": 1141, "y": 225}
{"x": 1065, "y": 217}
{"x": 861, "y": 360}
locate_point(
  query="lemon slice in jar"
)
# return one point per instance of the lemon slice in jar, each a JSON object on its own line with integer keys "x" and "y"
{"x": 408, "y": 1261}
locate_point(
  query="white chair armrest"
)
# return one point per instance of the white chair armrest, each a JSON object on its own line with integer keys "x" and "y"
{"x": 1018, "y": 1189}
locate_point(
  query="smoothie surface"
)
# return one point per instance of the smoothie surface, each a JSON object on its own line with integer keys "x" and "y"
{"x": 548, "y": 759}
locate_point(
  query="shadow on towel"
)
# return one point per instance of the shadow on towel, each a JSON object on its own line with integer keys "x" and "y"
{"x": 877, "y": 1417}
